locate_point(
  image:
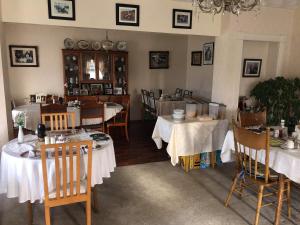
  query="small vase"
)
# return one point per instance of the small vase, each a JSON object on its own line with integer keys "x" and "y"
{"x": 20, "y": 135}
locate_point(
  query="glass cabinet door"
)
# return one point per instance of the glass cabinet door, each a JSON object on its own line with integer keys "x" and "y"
{"x": 71, "y": 67}
{"x": 104, "y": 66}
{"x": 88, "y": 67}
{"x": 120, "y": 72}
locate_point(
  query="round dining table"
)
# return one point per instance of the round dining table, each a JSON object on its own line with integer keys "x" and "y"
{"x": 32, "y": 114}
{"x": 21, "y": 176}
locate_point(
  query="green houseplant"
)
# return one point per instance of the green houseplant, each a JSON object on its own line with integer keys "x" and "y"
{"x": 281, "y": 98}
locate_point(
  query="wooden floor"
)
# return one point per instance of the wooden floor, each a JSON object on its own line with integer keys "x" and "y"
{"x": 140, "y": 149}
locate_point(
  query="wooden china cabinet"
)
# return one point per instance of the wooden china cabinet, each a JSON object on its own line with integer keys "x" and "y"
{"x": 90, "y": 73}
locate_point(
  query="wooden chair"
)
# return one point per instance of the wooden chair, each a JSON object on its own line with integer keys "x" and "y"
{"x": 250, "y": 172}
{"x": 76, "y": 190}
{"x": 179, "y": 92}
{"x": 120, "y": 120}
{"x": 53, "y": 108}
{"x": 92, "y": 110}
{"x": 59, "y": 121}
{"x": 247, "y": 119}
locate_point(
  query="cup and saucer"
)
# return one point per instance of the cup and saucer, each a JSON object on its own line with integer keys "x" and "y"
{"x": 288, "y": 145}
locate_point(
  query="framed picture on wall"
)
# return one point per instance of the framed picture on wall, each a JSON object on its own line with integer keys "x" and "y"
{"x": 208, "y": 53}
{"x": 23, "y": 56}
{"x": 127, "y": 15}
{"x": 196, "y": 58}
{"x": 252, "y": 67}
{"x": 159, "y": 60}
{"x": 61, "y": 9}
{"x": 182, "y": 18}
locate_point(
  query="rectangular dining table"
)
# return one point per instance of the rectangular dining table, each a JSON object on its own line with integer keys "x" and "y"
{"x": 189, "y": 137}
{"x": 285, "y": 162}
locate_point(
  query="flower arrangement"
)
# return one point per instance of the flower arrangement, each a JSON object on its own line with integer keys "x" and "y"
{"x": 20, "y": 119}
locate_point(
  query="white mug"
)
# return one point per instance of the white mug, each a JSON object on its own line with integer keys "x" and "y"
{"x": 290, "y": 144}
{"x": 276, "y": 133}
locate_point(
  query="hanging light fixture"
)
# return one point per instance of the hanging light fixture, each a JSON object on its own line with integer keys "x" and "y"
{"x": 222, "y": 6}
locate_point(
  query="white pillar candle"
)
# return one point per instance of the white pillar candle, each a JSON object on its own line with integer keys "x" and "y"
{"x": 47, "y": 140}
{"x": 52, "y": 140}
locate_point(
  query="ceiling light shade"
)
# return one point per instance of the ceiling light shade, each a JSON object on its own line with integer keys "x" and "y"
{"x": 222, "y": 6}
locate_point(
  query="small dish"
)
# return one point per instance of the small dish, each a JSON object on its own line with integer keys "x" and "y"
{"x": 69, "y": 43}
{"x": 96, "y": 45}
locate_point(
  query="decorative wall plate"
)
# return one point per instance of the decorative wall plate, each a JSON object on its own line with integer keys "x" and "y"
{"x": 82, "y": 44}
{"x": 96, "y": 45}
{"x": 69, "y": 43}
{"x": 122, "y": 45}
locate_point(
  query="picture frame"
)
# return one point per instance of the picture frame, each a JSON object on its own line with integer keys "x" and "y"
{"x": 96, "y": 89}
{"x": 118, "y": 91}
{"x": 196, "y": 59}
{"x": 182, "y": 18}
{"x": 127, "y": 14}
{"x": 32, "y": 98}
{"x": 208, "y": 53}
{"x": 108, "y": 91}
{"x": 23, "y": 56}
{"x": 252, "y": 67}
{"x": 61, "y": 9}
{"x": 159, "y": 59}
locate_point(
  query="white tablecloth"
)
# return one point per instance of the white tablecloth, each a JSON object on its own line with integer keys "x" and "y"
{"x": 22, "y": 177}
{"x": 286, "y": 162}
{"x": 189, "y": 137}
{"x": 33, "y": 114}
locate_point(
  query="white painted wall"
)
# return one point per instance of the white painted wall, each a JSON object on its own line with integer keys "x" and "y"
{"x": 48, "y": 78}
{"x": 199, "y": 78}
{"x": 5, "y": 117}
{"x": 268, "y": 52}
{"x": 155, "y": 15}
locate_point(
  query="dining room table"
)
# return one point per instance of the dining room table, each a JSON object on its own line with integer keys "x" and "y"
{"x": 21, "y": 173}
{"x": 189, "y": 136}
{"x": 286, "y": 162}
{"x": 32, "y": 114}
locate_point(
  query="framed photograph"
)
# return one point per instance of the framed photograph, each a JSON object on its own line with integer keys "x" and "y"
{"x": 96, "y": 89}
{"x": 182, "y": 18}
{"x": 118, "y": 91}
{"x": 61, "y": 9}
{"x": 252, "y": 67}
{"x": 159, "y": 60}
{"x": 208, "y": 54}
{"x": 33, "y": 98}
{"x": 127, "y": 15}
{"x": 108, "y": 91}
{"x": 196, "y": 58}
{"x": 23, "y": 56}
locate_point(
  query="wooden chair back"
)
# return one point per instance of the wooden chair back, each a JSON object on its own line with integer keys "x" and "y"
{"x": 152, "y": 102}
{"x": 178, "y": 92}
{"x": 59, "y": 121}
{"x": 249, "y": 149}
{"x": 68, "y": 175}
{"x": 247, "y": 119}
{"x": 92, "y": 110}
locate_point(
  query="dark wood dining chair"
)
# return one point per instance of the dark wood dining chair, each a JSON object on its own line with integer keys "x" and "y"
{"x": 250, "y": 149}
{"x": 92, "y": 110}
{"x": 70, "y": 187}
{"x": 121, "y": 119}
{"x": 247, "y": 119}
{"x": 53, "y": 108}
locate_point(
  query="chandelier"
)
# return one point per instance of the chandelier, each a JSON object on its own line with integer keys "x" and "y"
{"x": 222, "y": 6}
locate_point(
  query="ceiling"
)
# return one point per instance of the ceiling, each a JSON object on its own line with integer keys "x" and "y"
{"x": 290, "y": 4}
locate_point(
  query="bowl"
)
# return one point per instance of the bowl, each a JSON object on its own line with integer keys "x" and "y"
{"x": 178, "y": 111}
{"x": 178, "y": 116}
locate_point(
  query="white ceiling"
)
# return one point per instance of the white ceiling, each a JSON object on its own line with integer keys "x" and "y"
{"x": 290, "y": 4}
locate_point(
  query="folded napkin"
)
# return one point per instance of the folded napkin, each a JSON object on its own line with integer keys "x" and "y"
{"x": 204, "y": 118}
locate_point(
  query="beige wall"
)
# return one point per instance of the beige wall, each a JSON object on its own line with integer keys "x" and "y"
{"x": 199, "y": 78}
{"x": 271, "y": 24}
{"x": 268, "y": 52}
{"x": 155, "y": 15}
{"x": 48, "y": 78}
{"x": 5, "y": 117}
{"x": 294, "y": 58}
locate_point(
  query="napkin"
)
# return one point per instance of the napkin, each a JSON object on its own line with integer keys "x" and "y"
{"x": 204, "y": 118}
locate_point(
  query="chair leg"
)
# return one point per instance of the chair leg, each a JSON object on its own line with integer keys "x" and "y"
{"x": 234, "y": 182}
{"x": 30, "y": 214}
{"x": 259, "y": 202}
{"x": 288, "y": 197}
{"x": 88, "y": 211}
{"x": 126, "y": 133}
{"x": 47, "y": 215}
{"x": 242, "y": 187}
{"x": 94, "y": 199}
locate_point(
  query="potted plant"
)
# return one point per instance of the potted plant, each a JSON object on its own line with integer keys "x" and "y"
{"x": 20, "y": 122}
